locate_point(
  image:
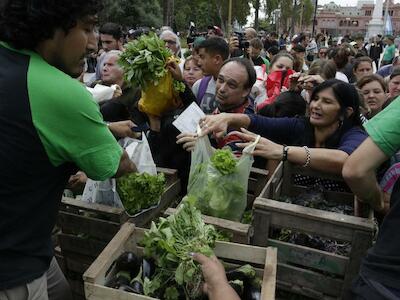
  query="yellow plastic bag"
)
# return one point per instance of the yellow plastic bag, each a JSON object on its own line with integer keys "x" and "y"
{"x": 158, "y": 99}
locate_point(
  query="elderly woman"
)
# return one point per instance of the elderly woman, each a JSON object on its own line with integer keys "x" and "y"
{"x": 323, "y": 141}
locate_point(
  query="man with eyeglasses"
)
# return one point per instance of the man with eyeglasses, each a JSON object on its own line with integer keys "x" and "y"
{"x": 171, "y": 42}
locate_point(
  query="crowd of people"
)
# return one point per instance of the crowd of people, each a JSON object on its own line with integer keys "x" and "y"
{"x": 318, "y": 102}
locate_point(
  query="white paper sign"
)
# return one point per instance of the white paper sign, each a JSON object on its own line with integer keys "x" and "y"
{"x": 189, "y": 119}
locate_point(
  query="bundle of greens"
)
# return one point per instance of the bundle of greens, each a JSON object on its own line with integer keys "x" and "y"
{"x": 169, "y": 243}
{"x": 217, "y": 188}
{"x": 144, "y": 61}
{"x": 140, "y": 191}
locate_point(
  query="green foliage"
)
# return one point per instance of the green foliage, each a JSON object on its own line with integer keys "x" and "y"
{"x": 132, "y": 13}
{"x": 171, "y": 240}
{"x": 144, "y": 59}
{"x": 224, "y": 161}
{"x": 308, "y": 12}
{"x": 140, "y": 191}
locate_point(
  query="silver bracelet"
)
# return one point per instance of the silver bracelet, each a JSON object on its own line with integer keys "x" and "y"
{"x": 308, "y": 157}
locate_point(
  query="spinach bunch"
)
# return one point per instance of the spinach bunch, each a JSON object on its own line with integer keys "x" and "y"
{"x": 144, "y": 61}
{"x": 169, "y": 243}
{"x": 140, "y": 191}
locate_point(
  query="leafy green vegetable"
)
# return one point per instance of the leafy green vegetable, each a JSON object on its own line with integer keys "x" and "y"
{"x": 172, "y": 239}
{"x": 144, "y": 61}
{"x": 171, "y": 293}
{"x": 140, "y": 191}
{"x": 224, "y": 161}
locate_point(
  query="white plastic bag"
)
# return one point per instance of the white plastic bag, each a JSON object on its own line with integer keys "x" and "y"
{"x": 216, "y": 194}
{"x": 105, "y": 192}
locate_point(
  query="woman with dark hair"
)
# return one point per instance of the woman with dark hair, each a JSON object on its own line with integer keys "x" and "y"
{"x": 322, "y": 142}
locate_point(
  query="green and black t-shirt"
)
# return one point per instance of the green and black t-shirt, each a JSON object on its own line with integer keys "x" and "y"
{"x": 49, "y": 128}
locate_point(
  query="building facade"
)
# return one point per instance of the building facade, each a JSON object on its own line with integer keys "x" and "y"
{"x": 336, "y": 20}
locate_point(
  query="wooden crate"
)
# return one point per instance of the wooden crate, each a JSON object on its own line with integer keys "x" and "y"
{"x": 303, "y": 270}
{"x": 127, "y": 239}
{"x": 87, "y": 228}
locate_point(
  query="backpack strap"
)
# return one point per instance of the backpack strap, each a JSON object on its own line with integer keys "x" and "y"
{"x": 202, "y": 88}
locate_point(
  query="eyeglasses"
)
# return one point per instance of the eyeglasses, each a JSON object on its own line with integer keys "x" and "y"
{"x": 170, "y": 42}
{"x": 323, "y": 52}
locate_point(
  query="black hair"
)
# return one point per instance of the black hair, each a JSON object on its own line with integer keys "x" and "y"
{"x": 298, "y": 48}
{"x": 274, "y": 50}
{"x": 347, "y": 96}
{"x": 111, "y": 29}
{"x": 340, "y": 56}
{"x": 24, "y": 24}
{"x": 287, "y": 104}
{"x": 216, "y": 45}
{"x": 247, "y": 64}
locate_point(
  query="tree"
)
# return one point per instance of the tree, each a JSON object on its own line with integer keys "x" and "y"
{"x": 132, "y": 13}
{"x": 308, "y": 12}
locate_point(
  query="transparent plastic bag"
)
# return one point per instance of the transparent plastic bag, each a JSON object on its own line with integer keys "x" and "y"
{"x": 218, "y": 195}
{"x": 105, "y": 192}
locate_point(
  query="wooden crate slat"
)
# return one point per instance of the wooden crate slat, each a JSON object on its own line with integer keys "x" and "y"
{"x": 84, "y": 246}
{"x": 315, "y": 221}
{"x": 309, "y": 257}
{"x": 269, "y": 279}
{"x": 94, "y": 227}
{"x": 75, "y": 266}
{"x": 304, "y": 278}
{"x": 113, "y": 214}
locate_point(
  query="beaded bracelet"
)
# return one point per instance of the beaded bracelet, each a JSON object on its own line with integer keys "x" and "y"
{"x": 308, "y": 157}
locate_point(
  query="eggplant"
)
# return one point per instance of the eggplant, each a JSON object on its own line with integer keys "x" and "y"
{"x": 237, "y": 285}
{"x": 251, "y": 292}
{"x": 243, "y": 273}
{"x": 137, "y": 287}
{"x": 122, "y": 278}
{"x": 148, "y": 268}
{"x": 128, "y": 261}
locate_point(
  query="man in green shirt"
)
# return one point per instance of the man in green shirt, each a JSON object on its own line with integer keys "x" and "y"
{"x": 50, "y": 128}
{"x": 379, "y": 276}
{"x": 390, "y": 51}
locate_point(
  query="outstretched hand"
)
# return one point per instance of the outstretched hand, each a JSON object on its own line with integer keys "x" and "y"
{"x": 264, "y": 148}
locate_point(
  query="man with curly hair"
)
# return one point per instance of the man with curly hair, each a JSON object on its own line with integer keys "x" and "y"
{"x": 50, "y": 128}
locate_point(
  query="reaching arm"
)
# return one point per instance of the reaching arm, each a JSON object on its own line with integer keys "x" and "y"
{"x": 125, "y": 165}
{"x": 359, "y": 173}
{"x": 326, "y": 160}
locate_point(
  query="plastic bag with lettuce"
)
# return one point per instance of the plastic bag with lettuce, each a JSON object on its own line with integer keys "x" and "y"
{"x": 218, "y": 180}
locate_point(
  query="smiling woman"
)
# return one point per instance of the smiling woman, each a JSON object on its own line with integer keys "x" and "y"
{"x": 322, "y": 142}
